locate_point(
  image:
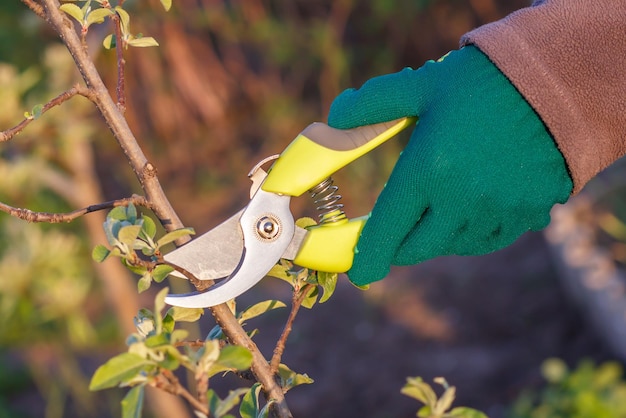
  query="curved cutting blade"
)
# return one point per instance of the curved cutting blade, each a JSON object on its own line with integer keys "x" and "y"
{"x": 258, "y": 256}
{"x": 214, "y": 254}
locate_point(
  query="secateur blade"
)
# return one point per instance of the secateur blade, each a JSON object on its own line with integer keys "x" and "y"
{"x": 214, "y": 254}
{"x": 267, "y": 227}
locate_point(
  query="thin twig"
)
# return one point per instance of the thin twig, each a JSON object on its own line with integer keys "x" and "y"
{"x": 35, "y": 7}
{"x": 61, "y": 98}
{"x": 120, "y": 45}
{"x": 200, "y": 285}
{"x": 296, "y": 303}
{"x": 54, "y": 218}
{"x": 191, "y": 344}
{"x": 172, "y": 385}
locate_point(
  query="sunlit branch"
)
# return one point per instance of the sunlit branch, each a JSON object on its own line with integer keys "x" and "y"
{"x": 35, "y": 7}
{"x": 121, "y": 64}
{"x": 297, "y": 299}
{"x": 61, "y": 98}
{"x": 48, "y": 217}
{"x": 170, "y": 383}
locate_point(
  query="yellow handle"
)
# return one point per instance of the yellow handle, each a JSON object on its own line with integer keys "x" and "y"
{"x": 319, "y": 151}
{"x": 330, "y": 247}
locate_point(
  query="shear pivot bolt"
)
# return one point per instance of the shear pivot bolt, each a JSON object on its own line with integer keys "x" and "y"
{"x": 268, "y": 227}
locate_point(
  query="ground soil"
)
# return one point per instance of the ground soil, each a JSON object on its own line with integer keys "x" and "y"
{"x": 484, "y": 323}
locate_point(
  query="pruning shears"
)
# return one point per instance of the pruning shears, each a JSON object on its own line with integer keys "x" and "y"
{"x": 240, "y": 251}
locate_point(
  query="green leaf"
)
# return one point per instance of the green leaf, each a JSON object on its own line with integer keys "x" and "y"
{"x": 167, "y": 4}
{"x": 465, "y": 412}
{"x": 235, "y": 357}
{"x": 328, "y": 281}
{"x": 220, "y": 407}
{"x": 177, "y": 335}
{"x": 290, "y": 379}
{"x": 281, "y": 272}
{"x": 168, "y": 323}
{"x": 108, "y": 227}
{"x": 216, "y": 333}
{"x": 143, "y": 42}
{"x": 98, "y": 16}
{"x": 305, "y": 222}
{"x": 132, "y": 404}
{"x": 159, "y": 301}
{"x": 124, "y": 20}
{"x": 259, "y": 309}
{"x": 249, "y": 407}
{"x": 159, "y": 304}
{"x": 160, "y": 272}
{"x": 174, "y": 235}
{"x": 170, "y": 359}
{"x": 138, "y": 270}
{"x": 100, "y": 253}
{"x": 148, "y": 229}
{"x": 109, "y": 41}
{"x": 157, "y": 340}
{"x": 119, "y": 213}
{"x": 144, "y": 322}
{"x": 128, "y": 234}
{"x": 117, "y": 370}
{"x": 418, "y": 389}
{"x": 37, "y": 111}
{"x": 231, "y": 357}
{"x": 185, "y": 314}
{"x": 144, "y": 283}
{"x": 131, "y": 213}
{"x": 311, "y": 297}
{"x": 74, "y": 11}
{"x": 445, "y": 401}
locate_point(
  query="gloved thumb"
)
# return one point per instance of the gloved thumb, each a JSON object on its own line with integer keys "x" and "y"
{"x": 384, "y": 98}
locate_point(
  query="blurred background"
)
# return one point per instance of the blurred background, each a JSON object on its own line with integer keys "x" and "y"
{"x": 231, "y": 83}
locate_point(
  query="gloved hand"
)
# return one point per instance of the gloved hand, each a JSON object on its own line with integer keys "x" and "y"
{"x": 479, "y": 170}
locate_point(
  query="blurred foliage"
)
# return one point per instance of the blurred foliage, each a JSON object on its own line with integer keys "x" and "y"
{"x": 52, "y": 311}
{"x": 434, "y": 406}
{"x": 232, "y": 82}
{"x": 589, "y": 390}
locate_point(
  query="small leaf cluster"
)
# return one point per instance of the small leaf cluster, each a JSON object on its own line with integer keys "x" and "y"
{"x": 90, "y": 13}
{"x": 132, "y": 237}
{"x": 589, "y": 390}
{"x": 437, "y": 407}
{"x": 287, "y": 378}
{"x": 157, "y": 349}
{"x": 318, "y": 286}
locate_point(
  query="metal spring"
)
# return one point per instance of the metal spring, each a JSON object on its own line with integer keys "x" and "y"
{"x": 325, "y": 197}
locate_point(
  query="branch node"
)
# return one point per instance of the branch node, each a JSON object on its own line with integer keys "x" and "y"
{"x": 149, "y": 171}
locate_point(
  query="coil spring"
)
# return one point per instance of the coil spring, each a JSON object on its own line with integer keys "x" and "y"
{"x": 326, "y": 198}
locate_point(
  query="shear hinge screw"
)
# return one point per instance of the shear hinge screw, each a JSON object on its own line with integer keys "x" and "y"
{"x": 268, "y": 227}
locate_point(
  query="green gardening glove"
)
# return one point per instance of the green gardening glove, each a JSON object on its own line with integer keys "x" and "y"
{"x": 479, "y": 171}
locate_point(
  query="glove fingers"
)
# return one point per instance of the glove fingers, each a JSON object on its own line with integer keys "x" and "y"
{"x": 382, "y": 99}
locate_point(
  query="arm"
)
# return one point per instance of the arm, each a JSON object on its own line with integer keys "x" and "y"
{"x": 568, "y": 59}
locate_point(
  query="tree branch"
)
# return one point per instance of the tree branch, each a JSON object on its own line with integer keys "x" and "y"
{"x": 296, "y": 303}
{"x": 54, "y": 218}
{"x": 172, "y": 385}
{"x": 35, "y": 7}
{"x": 61, "y": 98}
{"x": 146, "y": 174}
{"x": 121, "y": 63}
